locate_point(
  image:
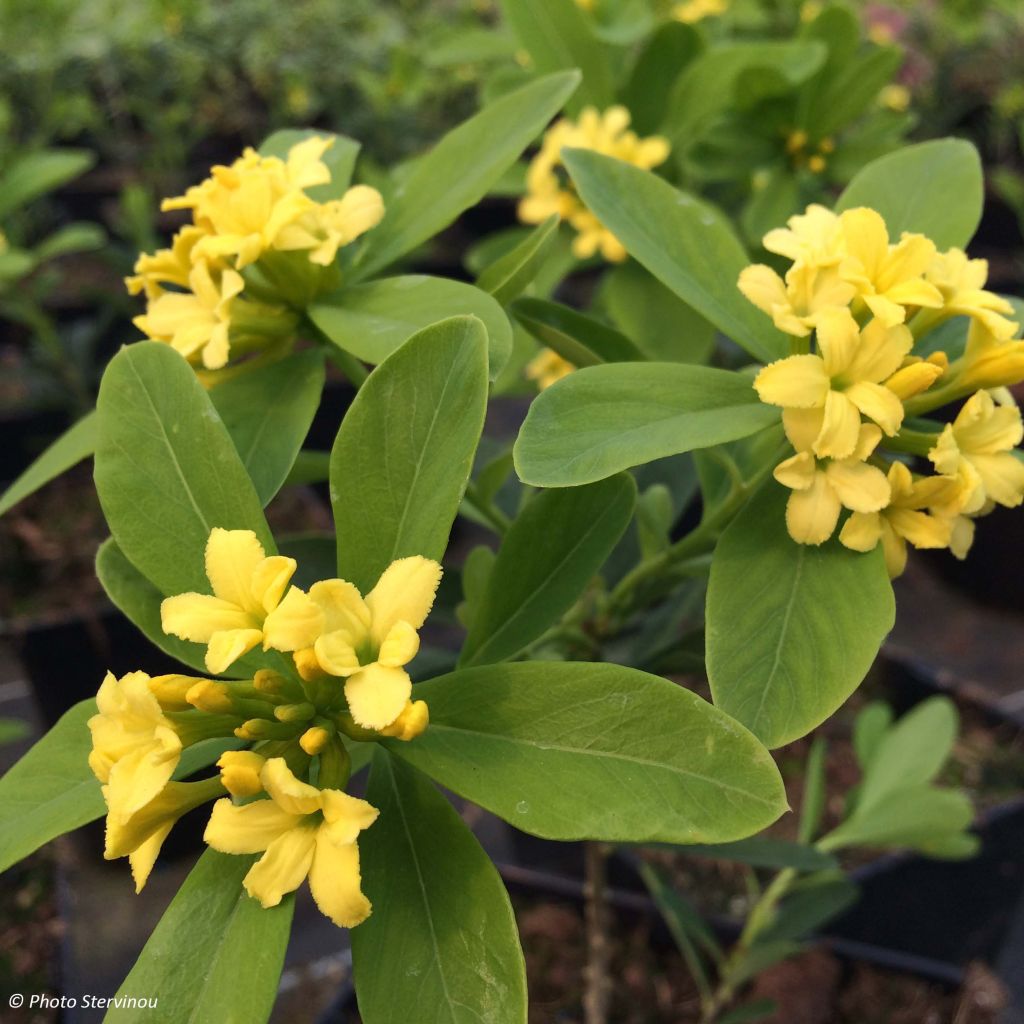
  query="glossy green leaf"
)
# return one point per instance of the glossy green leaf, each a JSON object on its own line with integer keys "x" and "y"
{"x": 459, "y": 170}
{"x": 575, "y": 336}
{"x": 372, "y": 320}
{"x": 847, "y": 94}
{"x": 441, "y": 945}
{"x": 661, "y": 324}
{"x": 509, "y": 275}
{"x": 34, "y": 174}
{"x": 167, "y": 471}
{"x": 216, "y": 954}
{"x": 551, "y": 552}
{"x": 686, "y": 243}
{"x": 791, "y": 629}
{"x": 74, "y": 445}
{"x": 595, "y": 751}
{"x": 935, "y": 188}
{"x": 558, "y": 37}
{"x": 267, "y": 412}
{"x": 405, "y": 450}
{"x": 603, "y": 419}
{"x": 51, "y": 789}
{"x": 340, "y": 158}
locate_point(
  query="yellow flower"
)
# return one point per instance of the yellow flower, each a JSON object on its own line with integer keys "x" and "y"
{"x": 240, "y": 772}
{"x": 301, "y": 831}
{"x": 248, "y": 605}
{"x": 842, "y": 382}
{"x": 327, "y": 227}
{"x": 822, "y": 489}
{"x": 140, "y": 836}
{"x": 367, "y": 642}
{"x": 976, "y": 448}
{"x": 691, "y": 11}
{"x": 917, "y": 375}
{"x": 888, "y": 278}
{"x": 244, "y": 207}
{"x": 547, "y": 367}
{"x": 814, "y": 238}
{"x": 894, "y": 97}
{"x": 135, "y": 746}
{"x": 165, "y": 266}
{"x": 549, "y": 192}
{"x": 961, "y": 282}
{"x": 196, "y": 322}
{"x": 904, "y": 519}
{"x": 796, "y": 303}
{"x": 988, "y": 361}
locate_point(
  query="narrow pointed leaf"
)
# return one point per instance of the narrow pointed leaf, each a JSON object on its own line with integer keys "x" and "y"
{"x": 74, "y": 445}
{"x": 167, "y": 471}
{"x": 405, "y": 450}
{"x": 441, "y": 945}
{"x": 550, "y": 553}
{"x": 595, "y": 751}
{"x": 575, "y": 336}
{"x": 602, "y": 419}
{"x": 459, "y": 170}
{"x": 686, "y": 243}
{"x": 508, "y": 276}
{"x": 791, "y": 629}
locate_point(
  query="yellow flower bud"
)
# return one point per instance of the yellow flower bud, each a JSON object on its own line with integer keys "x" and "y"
{"x": 240, "y": 772}
{"x": 410, "y": 723}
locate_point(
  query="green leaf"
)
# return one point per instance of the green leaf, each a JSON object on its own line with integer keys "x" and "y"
{"x": 661, "y": 60}
{"x": 373, "y": 320}
{"x": 74, "y": 445}
{"x": 686, "y": 243}
{"x": 594, "y": 751}
{"x": 77, "y": 237}
{"x": 509, "y": 275}
{"x": 167, "y": 471}
{"x": 603, "y": 419}
{"x": 810, "y": 903}
{"x": 662, "y": 325}
{"x": 340, "y": 158}
{"x": 935, "y": 188}
{"x": 558, "y": 37}
{"x": 406, "y": 449}
{"x": 734, "y": 74}
{"x": 216, "y": 954}
{"x": 911, "y": 752}
{"x": 35, "y": 174}
{"x": 766, "y": 852}
{"x": 913, "y": 816}
{"x": 51, "y": 790}
{"x": 12, "y": 730}
{"x": 459, "y": 170}
{"x": 846, "y": 95}
{"x": 869, "y": 728}
{"x": 549, "y": 555}
{"x": 581, "y": 339}
{"x": 791, "y": 629}
{"x": 267, "y": 412}
{"x": 441, "y": 945}
{"x": 815, "y": 791}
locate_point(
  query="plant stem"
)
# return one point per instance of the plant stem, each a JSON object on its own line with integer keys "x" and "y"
{"x": 597, "y": 990}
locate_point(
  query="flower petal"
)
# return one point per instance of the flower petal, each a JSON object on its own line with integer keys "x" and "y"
{"x": 283, "y": 867}
{"x": 335, "y": 881}
{"x": 227, "y": 646}
{"x": 797, "y": 472}
{"x": 288, "y": 792}
{"x": 400, "y": 646}
{"x": 270, "y": 580}
{"x": 197, "y": 617}
{"x": 878, "y": 403}
{"x": 250, "y": 828}
{"x": 860, "y": 487}
{"x": 796, "y": 382}
{"x": 812, "y": 514}
{"x": 343, "y": 607}
{"x": 231, "y": 557}
{"x": 346, "y": 816}
{"x": 294, "y": 624}
{"x": 335, "y": 653}
{"x": 840, "y": 428}
{"x": 405, "y": 592}
{"x": 862, "y": 531}
{"x": 377, "y": 695}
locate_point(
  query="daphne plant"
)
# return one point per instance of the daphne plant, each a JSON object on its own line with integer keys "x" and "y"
{"x": 302, "y": 658}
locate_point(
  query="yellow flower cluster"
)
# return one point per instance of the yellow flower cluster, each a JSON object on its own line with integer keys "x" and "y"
{"x": 691, "y": 11}
{"x": 857, "y": 304}
{"x": 349, "y": 679}
{"x": 549, "y": 190}
{"x": 255, "y": 213}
